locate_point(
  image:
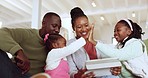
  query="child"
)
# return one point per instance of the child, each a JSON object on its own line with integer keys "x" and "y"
{"x": 56, "y": 64}
{"x": 129, "y": 47}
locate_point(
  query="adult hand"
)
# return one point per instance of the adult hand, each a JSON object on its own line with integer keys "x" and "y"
{"x": 115, "y": 70}
{"x": 81, "y": 74}
{"x": 88, "y": 75}
{"x": 90, "y": 38}
{"x": 22, "y": 61}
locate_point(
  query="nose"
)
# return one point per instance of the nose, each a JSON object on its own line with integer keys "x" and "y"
{"x": 115, "y": 33}
{"x": 84, "y": 28}
{"x": 57, "y": 30}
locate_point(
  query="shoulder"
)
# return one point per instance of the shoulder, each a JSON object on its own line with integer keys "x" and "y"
{"x": 18, "y": 29}
{"x": 133, "y": 41}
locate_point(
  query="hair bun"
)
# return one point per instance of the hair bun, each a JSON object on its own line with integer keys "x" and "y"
{"x": 76, "y": 12}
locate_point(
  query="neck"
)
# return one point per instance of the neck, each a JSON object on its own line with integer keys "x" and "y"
{"x": 41, "y": 33}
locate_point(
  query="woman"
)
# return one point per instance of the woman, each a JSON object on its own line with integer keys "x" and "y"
{"x": 80, "y": 25}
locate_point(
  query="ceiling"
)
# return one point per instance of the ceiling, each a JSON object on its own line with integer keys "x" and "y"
{"x": 19, "y": 12}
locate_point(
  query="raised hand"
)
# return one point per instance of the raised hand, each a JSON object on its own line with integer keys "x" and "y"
{"x": 90, "y": 38}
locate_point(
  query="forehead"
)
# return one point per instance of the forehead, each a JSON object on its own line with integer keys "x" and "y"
{"x": 54, "y": 18}
{"x": 120, "y": 25}
{"x": 62, "y": 40}
{"x": 81, "y": 20}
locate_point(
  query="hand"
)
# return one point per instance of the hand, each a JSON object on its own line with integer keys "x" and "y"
{"x": 22, "y": 61}
{"x": 90, "y": 38}
{"x": 115, "y": 70}
{"x": 80, "y": 73}
{"x": 88, "y": 75}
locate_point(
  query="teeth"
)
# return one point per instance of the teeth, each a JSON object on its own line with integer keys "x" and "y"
{"x": 116, "y": 36}
{"x": 84, "y": 33}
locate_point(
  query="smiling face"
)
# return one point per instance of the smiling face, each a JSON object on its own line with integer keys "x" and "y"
{"x": 121, "y": 32}
{"x": 51, "y": 24}
{"x": 81, "y": 27}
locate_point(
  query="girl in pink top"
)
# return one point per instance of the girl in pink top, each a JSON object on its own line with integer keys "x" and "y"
{"x": 56, "y": 62}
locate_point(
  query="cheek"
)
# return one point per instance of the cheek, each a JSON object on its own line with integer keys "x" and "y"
{"x": 88, "y": 28}
{"x": 48, "y": 29}
{"x": 78, "y": 30}
{"x": 77, "y": 33}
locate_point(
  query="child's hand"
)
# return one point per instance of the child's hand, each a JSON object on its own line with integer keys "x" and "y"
{"x": 115, "y": 70}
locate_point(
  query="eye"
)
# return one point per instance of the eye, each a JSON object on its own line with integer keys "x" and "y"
{"x": 78, "y": 26}
{"x": 54, "y": 25}
{"x": 118, "y": 30}
{"x": 86, "y": 25}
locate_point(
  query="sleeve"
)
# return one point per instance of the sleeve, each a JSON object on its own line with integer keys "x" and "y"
{"x": 10, "y": 40}
{"x": 73, "y": 70}
{"x": 60, "y": 53}
{"x": 129, "y": 51}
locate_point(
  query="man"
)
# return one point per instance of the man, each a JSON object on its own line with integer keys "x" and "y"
{"x": 27, "y": 46}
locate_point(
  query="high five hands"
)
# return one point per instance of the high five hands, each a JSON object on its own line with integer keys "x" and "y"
{"x": 114, "y": 70}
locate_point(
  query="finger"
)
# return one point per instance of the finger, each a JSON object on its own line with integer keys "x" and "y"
{"x": 116, "y": 73}
{"x": 20, "y": 65}
{"x": 26, "y": 66}
{"x": 25, "y": 69}
{"x": 111, "y": 68}
{"x": 90, "y": 75}
{"x": 82, "y": 71}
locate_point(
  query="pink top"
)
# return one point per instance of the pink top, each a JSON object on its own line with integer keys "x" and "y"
{"x": 61, "y": 71}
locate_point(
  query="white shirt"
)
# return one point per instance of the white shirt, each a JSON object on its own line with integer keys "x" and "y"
{"x": 55, "y": 55}
{"x": 131, "y": 49}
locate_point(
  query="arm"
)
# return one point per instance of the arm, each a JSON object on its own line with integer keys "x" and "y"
{"x": 11, "y": 38}
{"x": 129, "y": 51}
{"x": 60, "y": 53}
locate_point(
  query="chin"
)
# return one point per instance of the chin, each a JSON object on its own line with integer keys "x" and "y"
{"x": 85, "y": 37}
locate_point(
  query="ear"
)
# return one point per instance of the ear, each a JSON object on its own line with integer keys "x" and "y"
{"x": 55, "y": 45}
{"x": 74, "y": 29}
{"x": 129, "y": 32}
{"x": 43, "y": 24}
